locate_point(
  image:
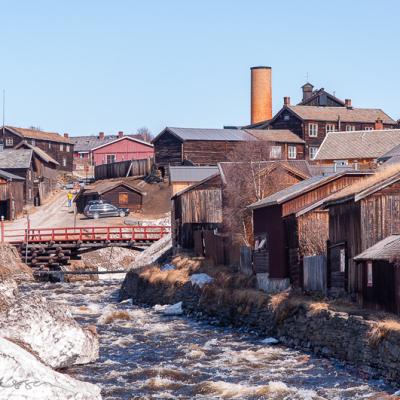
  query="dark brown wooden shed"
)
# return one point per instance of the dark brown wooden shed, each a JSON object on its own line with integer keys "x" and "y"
{"x": 379, "y": 267}
{"x": 118, "y": 193}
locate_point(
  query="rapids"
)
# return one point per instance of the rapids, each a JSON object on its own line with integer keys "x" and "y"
{"x": 145, "y": 355}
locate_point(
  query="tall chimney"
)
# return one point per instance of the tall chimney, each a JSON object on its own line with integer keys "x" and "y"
{"x": 101, "y": 135}
{"x": 378, "y": 124}
{"x": 261, "y": 94}
{"x": 120, "y": 134}
{"x": 347, "y": 103}
{"x": 286, "y": 101}
{"x": 66, "y": 135}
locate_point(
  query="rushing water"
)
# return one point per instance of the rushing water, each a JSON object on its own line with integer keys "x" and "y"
{"x": 150, "y": 356}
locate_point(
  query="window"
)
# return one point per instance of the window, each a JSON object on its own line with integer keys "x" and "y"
{"x": 67, "y": 148}
{"x": 123, "y": 198}
{"x": 341, "y": 163}
{"x": 64, "y": 162}
{"x": 370, "y": 281}
{"x": 33, "y": 142}
{"x": 49, "y": 145}
{"x": 350, "y": 128}
{"x": 29, "y": 193}
{"x": 286, "y": 117}
{"x": 110, "y": 158}
{"x": 61, "y": 147}
{"x": 312, "y": 151}
{"x": 9, "y": 141}
{"x": 276, "y": 152}
{"x": 313, "y": 130}
{"x": 81, "y": 155}
{"x": 292, "y": 152}
{"x": 368, "y": 128}
{"x": 342, "y": 260}
{"x": 330, "y": 128}
{"x": 29, "y": 174}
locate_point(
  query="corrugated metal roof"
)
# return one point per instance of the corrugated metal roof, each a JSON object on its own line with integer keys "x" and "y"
{"x": 191, "y": 174}
{"x": 230, "y": 135}
{"x": 358, "y": 144}
{"x": 387, "y": 249}
{"x": 13, "y": 159}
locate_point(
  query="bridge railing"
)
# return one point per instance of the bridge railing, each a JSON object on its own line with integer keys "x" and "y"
{"x": 85, "y": 234}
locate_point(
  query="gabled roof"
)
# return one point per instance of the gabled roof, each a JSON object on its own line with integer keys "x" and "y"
{"x": 318, "y": 93}
{"x": 195, "y": 185}
{"x": 383, "y": 177}
{"x": 358, "y": 144}
{"x": 394, "y": 152}
{"x": 387, "y": 249}
{"x": 40, "y": 135}
{"x": 345, "y": 114}
{"x": 190, "y": 173}
{"x": 228, "y": 135}
{"x": 120, "y": 139}
{"x": 275, "y": 135}
{"x": 299, "y": 189}
{"x": 105, "y": 186}
{"x": 87, "y": 143}
{"x": 10, "y": 177}
{"x": 38, "y": 151}
{"x": 15, "y": 159}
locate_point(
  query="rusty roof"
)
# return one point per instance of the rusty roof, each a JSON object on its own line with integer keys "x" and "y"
{"x": 275, "y": 135}
{"x": 358, "y": 144}
{"x": 37, "y": 134}
{"x": 387, "y": 249}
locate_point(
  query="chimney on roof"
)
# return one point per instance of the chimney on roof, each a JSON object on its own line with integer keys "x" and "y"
{"x": 120, "y": 134}
{"x": 347, "y": 103}
{"x": 307, "y": 91}
{"x": 101, "y": 135}
{"x": 66, "y": 135}
{"x": 261, "y": 94}
{"x": 286, "y": 101}
{"x": 378, "y": 124}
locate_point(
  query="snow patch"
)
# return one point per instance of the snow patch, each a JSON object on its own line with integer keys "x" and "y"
{"x": 200, "y": 279}
{"x": 270, "y": 340}
{"x": 173, "y": 309}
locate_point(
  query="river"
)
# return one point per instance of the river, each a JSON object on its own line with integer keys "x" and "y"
{"x": 150, "y": 356}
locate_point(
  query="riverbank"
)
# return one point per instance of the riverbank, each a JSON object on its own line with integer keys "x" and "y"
{"x": 297, "y": 321}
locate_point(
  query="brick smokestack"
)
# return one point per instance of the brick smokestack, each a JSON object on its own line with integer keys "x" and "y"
{"x": 120, "y": 134}
{"x": 101, "y": 135}
{"x": 66, "y": 135}
{"x": 286, "y": 101}
{"x": 261, "y": 94}
{"x": 378, "y": 124}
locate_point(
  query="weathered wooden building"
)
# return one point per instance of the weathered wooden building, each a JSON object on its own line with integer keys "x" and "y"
{"x": 320, "y": 97}
{"x": 59, "y": 147}
{"x": 11, "y": 195}
{"x": 120, "y": 193}
{"x": 200, "y": 212}
{"x": 177, "y": 146}
{"x": 360, "y": 216}
{"x": 357, "y": 149}
{"x": 379, "y": 269}
{"x": 290, "y": 224}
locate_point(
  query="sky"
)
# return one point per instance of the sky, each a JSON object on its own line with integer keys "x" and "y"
{"x": 87, "y": 66}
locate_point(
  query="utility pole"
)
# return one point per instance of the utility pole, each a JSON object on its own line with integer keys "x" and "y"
{"x": 4, "y": 108}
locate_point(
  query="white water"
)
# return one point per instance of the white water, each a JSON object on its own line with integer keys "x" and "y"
{"x": 152, "y": 356}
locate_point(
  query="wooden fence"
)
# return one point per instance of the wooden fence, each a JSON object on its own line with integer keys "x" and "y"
{"x": 123, "y": 169}
{"x": 315, "y": 273}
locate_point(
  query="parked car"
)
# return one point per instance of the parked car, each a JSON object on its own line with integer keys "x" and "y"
{"x": 101, "y": 210}
{"x": 69, "y": 186}
{"x": 98, "y": 201}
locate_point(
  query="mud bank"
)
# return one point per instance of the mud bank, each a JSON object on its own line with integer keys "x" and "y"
{"x": 374, "y": 347}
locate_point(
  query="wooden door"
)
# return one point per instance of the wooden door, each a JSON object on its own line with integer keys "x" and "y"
{"x": 123, "y": 199}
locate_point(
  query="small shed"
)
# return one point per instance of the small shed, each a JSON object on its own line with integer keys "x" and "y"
{"x": 11, "y": 195}
{"x": 379, "y": 267}
{"x": 118, "y": 193}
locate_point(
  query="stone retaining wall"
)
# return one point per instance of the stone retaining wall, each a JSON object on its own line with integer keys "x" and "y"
{"x": 324, "y": 332}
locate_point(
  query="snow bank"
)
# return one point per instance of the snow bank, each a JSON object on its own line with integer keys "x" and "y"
{"x": 173, "y": 309}
{"x": 200, "y": 279}
{"x": 24, "y": 377}
{"x": 270, "y": 340}
{"x": 49, "y": 330}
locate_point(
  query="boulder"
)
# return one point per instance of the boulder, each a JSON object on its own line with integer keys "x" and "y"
{"x": 23, "y": 376}
{"x": 49, "y": 331}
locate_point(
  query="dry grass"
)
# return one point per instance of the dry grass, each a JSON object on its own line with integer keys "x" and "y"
{"x": 382, "y": 329}
{"x": 155, "y": 275}
{"x": 120, "y": 315}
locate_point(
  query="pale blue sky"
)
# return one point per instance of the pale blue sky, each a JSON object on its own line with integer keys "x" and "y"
{"x": 88, "y": 66}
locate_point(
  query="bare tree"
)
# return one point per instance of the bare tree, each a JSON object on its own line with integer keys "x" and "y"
{"x": 144, "y": 133}
{"x": 249, "y": 178}
{"x": 313, "y": 233}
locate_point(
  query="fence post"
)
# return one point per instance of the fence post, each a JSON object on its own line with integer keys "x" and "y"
{"x": 2, "y": 229}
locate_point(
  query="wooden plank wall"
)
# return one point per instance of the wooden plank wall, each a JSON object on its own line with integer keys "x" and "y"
{"x": 122, "y": 168}
{"x": 201, "y": 206}
{"x": 315, "y": 273}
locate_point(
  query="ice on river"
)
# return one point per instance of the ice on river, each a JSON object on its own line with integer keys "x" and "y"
{"x": 151, "y": 355}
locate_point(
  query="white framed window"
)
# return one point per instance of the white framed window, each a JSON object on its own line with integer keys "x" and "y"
{"x": 64, "y": 162}
{"x": 67, "y": 148}
{"x": 292, "y": 152}
{"x": 49, "y": 145}
{"x": 342, "y": 260}
{"x": 313, "y": 130}
{"x": 9, "y": 141}
{"x": 286, "y": 117}
{"x": 370, "y": 280}
{"x": 61, "y": 147}
{"x": 368, "y": 128}
{"x": 81, "y": 155}
{"x": 312, "y": 151}
{"x": 350, "y": 128}
{"x": 275, "y": 152}
{"x": 110, "y": 158}
{"x": 330, "y": 128}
